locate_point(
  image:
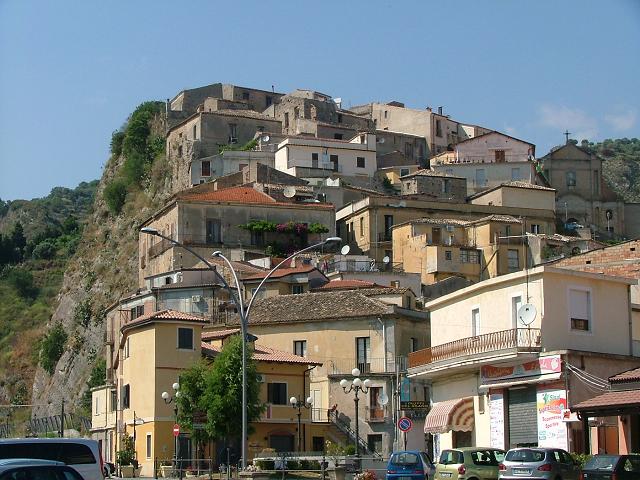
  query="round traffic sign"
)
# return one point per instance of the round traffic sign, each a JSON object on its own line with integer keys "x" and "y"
{"x": 405, "y": 424}
{"x": 176, "y": 430}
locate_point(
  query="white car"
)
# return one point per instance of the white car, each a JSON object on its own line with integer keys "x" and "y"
{"x": 80, "y": 453}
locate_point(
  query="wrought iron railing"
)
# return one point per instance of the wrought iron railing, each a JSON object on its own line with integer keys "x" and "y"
{"x": 364, "y": 266}
{"x": 345, "y": 427}
{"x": 344, "y": 366}
{"x": 520, "y": 338}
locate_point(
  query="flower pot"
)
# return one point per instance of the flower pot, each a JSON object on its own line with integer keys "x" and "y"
{"x": 257, "y": 475}
{"x": 166, "y": 471}
{"x": 336, "y": 473}
{"x": 126, "y": 471}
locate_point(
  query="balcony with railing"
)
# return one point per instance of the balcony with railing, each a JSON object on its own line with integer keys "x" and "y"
{"x": 478, "y": 349}
{"x": 453, "y": 158}
{"x": 343, "y": 366}
{"x": 364, "y": 266}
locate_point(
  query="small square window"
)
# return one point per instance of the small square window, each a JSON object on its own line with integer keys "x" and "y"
{"x": 297, "y": 289}
{"x": 206, "y": 168}
{"x": 277, "y": 393}
{"x": 360, "y": 162}
{"x": 185, "y": 338}
{"x": 447, "y": 255}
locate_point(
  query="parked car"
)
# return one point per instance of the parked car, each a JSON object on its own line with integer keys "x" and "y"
{"x": 538, "y": 463}
{"x": 610, "y": 467}
{"x": 468, "y": 463}
{"x": 29, "y": 468}
{"x": 80, "y": 453}
{"x": 410, "y": 464}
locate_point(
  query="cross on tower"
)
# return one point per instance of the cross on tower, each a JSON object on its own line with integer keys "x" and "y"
{"x": 566, "y": 134}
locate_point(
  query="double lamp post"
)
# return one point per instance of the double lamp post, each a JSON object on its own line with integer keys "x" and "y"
{"x": 236, "y": 297}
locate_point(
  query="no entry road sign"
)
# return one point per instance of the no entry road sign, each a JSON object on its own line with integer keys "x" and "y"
{"x": 176, "y": 430}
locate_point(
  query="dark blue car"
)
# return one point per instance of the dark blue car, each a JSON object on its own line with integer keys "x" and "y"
{"x": 410, "y": 465}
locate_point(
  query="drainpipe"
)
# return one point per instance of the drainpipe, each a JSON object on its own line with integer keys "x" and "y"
{"x": 630, "y": 322}
{"x": 384, "y": 341}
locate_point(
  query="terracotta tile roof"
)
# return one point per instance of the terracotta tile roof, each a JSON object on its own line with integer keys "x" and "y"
{"x": 632, "y": 375}
{"x": 309, "y": 307}
{"x": 218, "y": 334}
{"x": 615, "y": 399}
{"x": 348, "y": 285}
{"x": 498, "y": 218}
{"x": 243, "y": 195}
{"x": 240, "y": 267}
{"x": 373, "y": 292}
{"x": 521, "y": 184}
{"x": 163, "y": 315}
{"x": 262, "y": 353}
{"x": 436, "y": 221}
{"x": 282, "y": 272}
{"x": 425, "y": 172}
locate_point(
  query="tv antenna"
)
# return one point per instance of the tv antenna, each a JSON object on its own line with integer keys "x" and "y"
{"x": 289, "y": 191}
{"x": 345, "y": 249}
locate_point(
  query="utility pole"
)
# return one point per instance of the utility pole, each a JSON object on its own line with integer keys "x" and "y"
{"x": 62, "y": 420}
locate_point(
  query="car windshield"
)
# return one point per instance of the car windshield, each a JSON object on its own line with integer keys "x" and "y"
{"x": 449, "y": 457}
{"x": 485, "y": 458}
{"x": 525, "y": 455}
{"x": 404, "y": 459}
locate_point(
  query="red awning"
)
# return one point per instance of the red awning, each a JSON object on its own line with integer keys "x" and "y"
{"x": 456, "y": 414}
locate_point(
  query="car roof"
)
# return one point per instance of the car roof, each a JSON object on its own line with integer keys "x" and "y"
{"x": 475, "y": 449}
{"x": 408, "y": 451}
{"x": 28, "y": 461}
{"x": 87, "y": 441}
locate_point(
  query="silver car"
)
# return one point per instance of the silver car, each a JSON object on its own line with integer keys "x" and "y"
{"x": 538, "y": 463}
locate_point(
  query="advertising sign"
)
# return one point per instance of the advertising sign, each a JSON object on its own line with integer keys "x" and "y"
{"x": 552, "y": 431}
{"x": 541, "y": 366}
{"x": 496, "y": 414}
{"x": 414, "y": 405}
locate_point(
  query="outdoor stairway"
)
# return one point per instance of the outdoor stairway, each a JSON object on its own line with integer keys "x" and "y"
{"x": 345, "y": 428}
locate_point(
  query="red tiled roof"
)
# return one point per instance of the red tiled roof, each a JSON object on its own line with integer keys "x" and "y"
{"x": 632, "y": 375}
{"x": 349, "y": 285}
{"x": 262, "y": 353}
{"x": 163, "y": 315}
{"x": 244, "y": 195}
{"x": 268, "y": 354}
{"x": 615, "y": 399}
{"x": 282, "y": 272}
{"x": 218, "y": 334}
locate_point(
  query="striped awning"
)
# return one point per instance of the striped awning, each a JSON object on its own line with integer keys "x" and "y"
{"x": 456, "y": 414}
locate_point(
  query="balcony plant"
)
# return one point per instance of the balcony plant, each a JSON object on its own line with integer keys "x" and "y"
{"x": 126, "y": 458}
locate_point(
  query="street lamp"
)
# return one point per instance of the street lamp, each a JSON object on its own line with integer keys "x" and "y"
{"x": 295, "y": 403}
{"x": 244, "y": 323}
{"x": 357, "y": 386}
{"x": 237, "y": 301}
{"x": 168, "y": 399}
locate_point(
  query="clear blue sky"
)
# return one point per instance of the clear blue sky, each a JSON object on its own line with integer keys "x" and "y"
{"x": 71, "y": 71}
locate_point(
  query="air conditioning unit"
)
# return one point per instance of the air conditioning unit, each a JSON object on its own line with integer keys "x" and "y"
{"x": 260, "y": 377}
{"x": 196, "y": 298}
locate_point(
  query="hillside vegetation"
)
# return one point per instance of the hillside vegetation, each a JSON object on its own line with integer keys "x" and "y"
{"x": 622, "y": 167}
{"x": 37, "y": 239}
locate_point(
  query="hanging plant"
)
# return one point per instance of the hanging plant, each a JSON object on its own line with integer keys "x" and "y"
{"x": 259, "y": 226}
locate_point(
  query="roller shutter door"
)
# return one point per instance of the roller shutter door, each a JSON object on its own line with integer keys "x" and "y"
{"x": 523, "y": 417}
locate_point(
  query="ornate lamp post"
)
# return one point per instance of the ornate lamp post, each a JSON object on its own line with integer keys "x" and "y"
{"x": 299, "y": 404}
{"x": 244, "y": 314}
{"x": 168, "y": 399}
{"x": 357, "y": 385}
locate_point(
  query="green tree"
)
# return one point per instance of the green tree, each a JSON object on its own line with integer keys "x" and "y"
{"x": 115, "y": 194}
{"x": 96, "y": 378}
{"x": 223, "y": 391}
{"x": 19, "y": 241}
{"x": 52, "y": 347}
{"x": 22, "y": 280}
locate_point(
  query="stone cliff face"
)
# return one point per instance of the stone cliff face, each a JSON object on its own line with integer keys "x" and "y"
{"x": 103, "y": 269}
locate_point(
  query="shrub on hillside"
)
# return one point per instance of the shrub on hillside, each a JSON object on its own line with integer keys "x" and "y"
{"x": 115, "y": 194}
{"x": 44, "y": 250}
{"x": 52, "y": 347}
{"x": 22, "y": 280}
{"x": 117, "y": 138}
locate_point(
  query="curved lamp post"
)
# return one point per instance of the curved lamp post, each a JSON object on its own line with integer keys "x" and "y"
{"x": 357, "y": 385}
{"x": 236, "y": 297}
{"x": 299, "y": 404}
{"x": 168, "y": 399}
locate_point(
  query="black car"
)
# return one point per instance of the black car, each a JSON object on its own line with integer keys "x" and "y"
{"x": 609, "y": 467}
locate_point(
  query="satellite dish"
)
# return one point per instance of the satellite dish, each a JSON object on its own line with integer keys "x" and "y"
{"x": 345, "y": 249}
{"x": 527, "y": 314}
{"x": 383, "y": 399}
{"x": 381, "y": 141}
{"x": 386, "y": 259}
{"x": 266, "y": 138}
{"x": 289, "y": 191}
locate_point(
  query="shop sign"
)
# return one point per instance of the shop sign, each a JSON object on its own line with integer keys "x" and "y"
{"x": 496, "y": 413}
{"x": 552, "y": 430}
{"x": 540, "y": 366}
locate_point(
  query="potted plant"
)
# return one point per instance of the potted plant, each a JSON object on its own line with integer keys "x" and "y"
{"x": 166, "y": 468}
{"x": 335, "y": 452}
{"x": 191, "y": 472}
{"x": 125, "y": 458}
